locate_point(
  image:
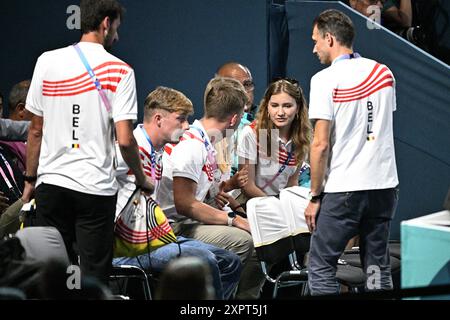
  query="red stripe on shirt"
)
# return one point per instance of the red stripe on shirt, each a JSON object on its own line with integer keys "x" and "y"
{"x": 384, "y": 73}
{"x": 110, "y": 63}
{"x": 106, "y": 87}
{"x": 114, "y": 80}
{"x": 168, "y": 148}
{"x": 144, "y": 152}
{"x": 363, "y": 92}
{"x": 79, "y": 84}
{"x": 88, "y": 79}
{"x": 387, "y": 84}
{"x": 191, "y": 136}
{"x": 364, "y": 82}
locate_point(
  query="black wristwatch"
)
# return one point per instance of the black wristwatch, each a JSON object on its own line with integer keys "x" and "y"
{"x": 315, "y": 198}
{"x": 29, "y": 178}
{"x": 231, "y": 217}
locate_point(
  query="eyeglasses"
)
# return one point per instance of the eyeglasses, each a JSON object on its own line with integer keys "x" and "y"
{"x": 248, "y": 85}
{"x": 290, "y": 80}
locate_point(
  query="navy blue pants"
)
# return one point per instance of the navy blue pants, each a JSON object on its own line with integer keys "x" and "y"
{"x": 342, "y": 216}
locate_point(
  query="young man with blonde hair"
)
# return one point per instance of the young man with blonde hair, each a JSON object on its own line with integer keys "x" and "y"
{"x": 191, "y": 171}
{"x": 165, "y": 119}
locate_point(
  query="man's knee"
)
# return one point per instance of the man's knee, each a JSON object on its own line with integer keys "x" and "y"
{"x": 242, "y": 244}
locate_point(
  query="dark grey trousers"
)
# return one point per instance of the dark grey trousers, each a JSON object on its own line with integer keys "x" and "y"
{"x": 342, "y": 216}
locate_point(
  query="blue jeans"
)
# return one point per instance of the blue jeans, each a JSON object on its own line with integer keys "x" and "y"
{"x": 342, "y": 216}
{"x": 225, "y": 265}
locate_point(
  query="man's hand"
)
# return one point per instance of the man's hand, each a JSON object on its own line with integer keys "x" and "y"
{"x": 311, "y": 214}
{"x": 238, "y": 180}
{"x": 222, "y": 199}
{"x": 147, "y": 186}
{"x": 241, "y": 223}
{"x": 28, "y": 192}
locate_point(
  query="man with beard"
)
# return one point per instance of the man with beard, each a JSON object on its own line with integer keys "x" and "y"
{"x": 78, "y": 95}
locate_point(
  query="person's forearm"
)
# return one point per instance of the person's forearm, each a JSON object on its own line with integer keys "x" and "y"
{"x": 401, "y": 17}
{"x": 13, "y": 130}
{"x": 252, "y": 191}
{"x": 405, "y": 13}
{"x": 130, "y": 154}
{"x": 319, "y": 161}
{"x": 33, "y": 149}
{"x": 129, "y": 149}
{"x": 199, "y": 211}
{"x": 293, "y": 180}
{"x": 33, "y": 153}
{"x": 228, "y": 185}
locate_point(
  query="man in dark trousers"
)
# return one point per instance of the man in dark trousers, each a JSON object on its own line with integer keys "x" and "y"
{"x": 353, "y": 169}
{"x": 70, "y": 152}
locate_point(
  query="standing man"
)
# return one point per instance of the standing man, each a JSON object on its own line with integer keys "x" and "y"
{"x": 70, "y": 152}
{"x": 353, "y": 170}
{"x": 166, "y": 112}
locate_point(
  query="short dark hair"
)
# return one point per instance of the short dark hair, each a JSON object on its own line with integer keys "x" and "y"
{"x": 18, "y": 94}
{"x": 337, "y": 24}
{"x": 224, "y": 97}
{"x": 94, "y": 11}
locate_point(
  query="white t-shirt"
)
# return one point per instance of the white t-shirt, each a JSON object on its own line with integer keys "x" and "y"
{"x": 188, "y": 159}
{"x": 77, "y": 147}
{"x": 358, "y": 97}
{"x": 125, "y": 176}
{"x": 267, "y": 167}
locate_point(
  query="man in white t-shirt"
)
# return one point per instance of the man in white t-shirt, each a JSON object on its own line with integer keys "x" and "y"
{"x": 353, "y": 170}
{"x": 191, "y": 170}
{"x": 165, "y": 118}
{"x": 70, "y": 151}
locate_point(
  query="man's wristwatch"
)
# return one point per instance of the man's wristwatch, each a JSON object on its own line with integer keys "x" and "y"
{"x": 231, "y": 217}
{"x": 315, "y": 197}
{"x": 29, "y": 178}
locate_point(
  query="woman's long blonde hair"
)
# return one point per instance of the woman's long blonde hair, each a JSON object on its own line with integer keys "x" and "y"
{"x": 300, "y": 131}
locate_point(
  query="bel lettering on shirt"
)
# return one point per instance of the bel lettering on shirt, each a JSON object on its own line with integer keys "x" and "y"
{"x": 75, "y": 119}
{"x": 369, "y": 121}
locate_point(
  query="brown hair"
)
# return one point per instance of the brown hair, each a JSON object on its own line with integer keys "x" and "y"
{"x": 167, "y": 99}
{"x": 94, "y": 11}
{"x": 224, "y": 97}
{"x": 300, "y": 131}
{"x": 337, "y": 24}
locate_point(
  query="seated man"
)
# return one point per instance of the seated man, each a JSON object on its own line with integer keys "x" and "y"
{"x": 165, "y": 119}
{"x": 191, "y": 170}
{"x": 13, "y": 157}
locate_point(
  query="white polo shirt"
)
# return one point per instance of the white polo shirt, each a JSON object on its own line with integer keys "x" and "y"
{"x": 77, "y": 147}
{"x": 187, "y": 159}
{"x": 267, "y": 167}
{"x": 358, "y": 97}
{"x": 125, "y": 176}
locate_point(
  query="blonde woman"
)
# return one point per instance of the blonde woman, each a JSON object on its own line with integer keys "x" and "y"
{"x": 275, "y": 145}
